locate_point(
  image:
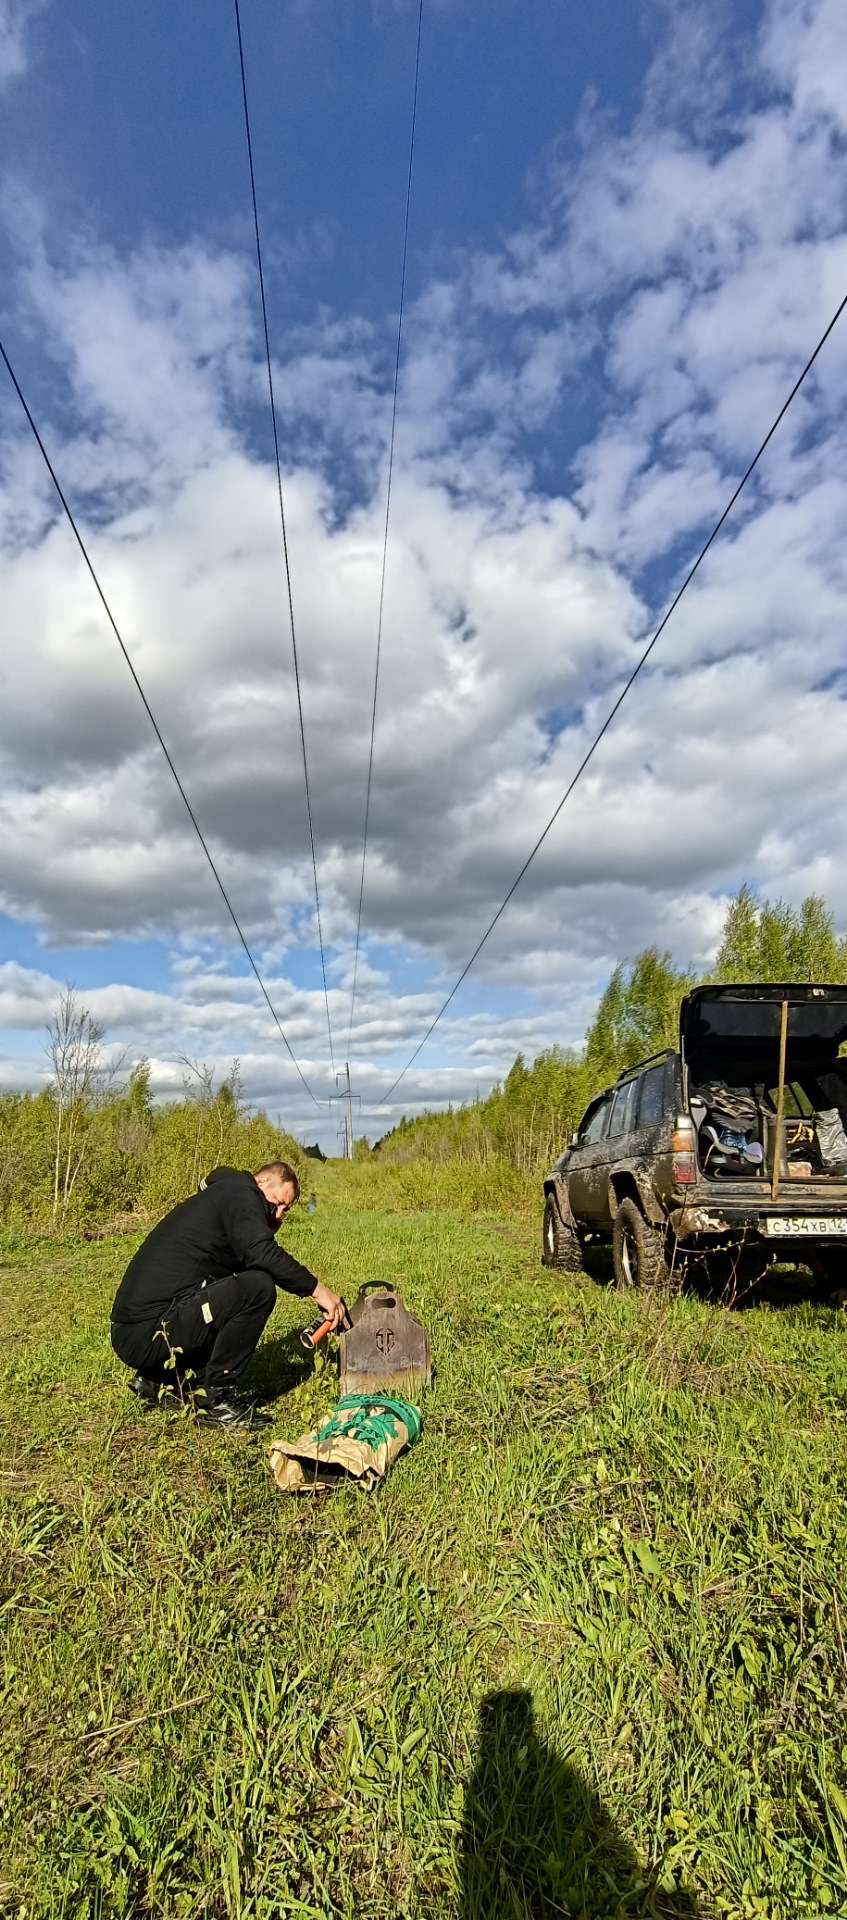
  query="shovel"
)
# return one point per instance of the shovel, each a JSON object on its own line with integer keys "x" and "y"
{"x": 385, "y": 1349}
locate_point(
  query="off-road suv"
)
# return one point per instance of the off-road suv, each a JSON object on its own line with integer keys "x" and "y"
{"x": 733, "y": 1147}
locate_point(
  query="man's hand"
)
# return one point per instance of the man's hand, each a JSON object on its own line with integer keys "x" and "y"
{"x": 330, "y": 1304}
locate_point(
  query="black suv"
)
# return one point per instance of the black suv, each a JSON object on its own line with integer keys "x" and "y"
{"x": 735, "y": 1144}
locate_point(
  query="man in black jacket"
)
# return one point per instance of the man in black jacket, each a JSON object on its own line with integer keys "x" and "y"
{"x": 202, "y": 1285}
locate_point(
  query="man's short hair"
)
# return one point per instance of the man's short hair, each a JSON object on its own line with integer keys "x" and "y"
{"x": 283, "y": 1173}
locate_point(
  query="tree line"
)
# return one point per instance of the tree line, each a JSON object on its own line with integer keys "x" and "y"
{"x": 93, "y": 1146}
{"x": 525, "y": 1122}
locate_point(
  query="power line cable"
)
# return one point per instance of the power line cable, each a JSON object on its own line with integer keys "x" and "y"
{"x": 152, "y": 719}
{"x": 619, "y": 702}
{"x": 387, "y": 517}
{"x": 282, "y": 523}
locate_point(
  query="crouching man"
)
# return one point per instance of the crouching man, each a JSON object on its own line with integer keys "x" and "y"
{"x": 202, "y": 1285}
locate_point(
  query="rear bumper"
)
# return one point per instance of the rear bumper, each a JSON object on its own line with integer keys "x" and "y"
{"x": 808, "y": 1219}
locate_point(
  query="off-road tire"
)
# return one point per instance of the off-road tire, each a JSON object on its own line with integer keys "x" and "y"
{"x": 638, "y": 1253}
{"x": 560, "y": 1245}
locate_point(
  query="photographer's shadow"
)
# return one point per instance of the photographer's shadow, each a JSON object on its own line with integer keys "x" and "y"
{"x": 537, "y": 1843}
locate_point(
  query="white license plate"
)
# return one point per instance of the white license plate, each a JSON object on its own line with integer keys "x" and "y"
{"x": 808, "y": 1223}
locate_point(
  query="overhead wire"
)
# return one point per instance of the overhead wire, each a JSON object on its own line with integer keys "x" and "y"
{"x": 153, "y": 721}
{"x": 288, "y": 585}
{"x": 392, "y": 434}
{"x": 618, "y": 704}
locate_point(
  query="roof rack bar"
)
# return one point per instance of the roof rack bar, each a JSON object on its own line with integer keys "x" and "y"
{"x": 662, "y": 1054}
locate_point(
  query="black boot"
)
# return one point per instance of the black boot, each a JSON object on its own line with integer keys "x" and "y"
{"x": 155, "y": 1393}
{"x": 223, "y": 1407}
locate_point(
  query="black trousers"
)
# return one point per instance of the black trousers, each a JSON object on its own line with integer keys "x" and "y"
{"x": 217, "y": 1328}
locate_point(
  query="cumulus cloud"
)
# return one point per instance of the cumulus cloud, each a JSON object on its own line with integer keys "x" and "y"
{"x": 680, "y": 271}
{"x": 15, "y": 16}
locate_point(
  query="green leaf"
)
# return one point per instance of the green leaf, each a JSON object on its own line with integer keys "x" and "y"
{"x": 647, "y": 1559}
{"x": 837, "y": 1800}
{"x": 752, "y": 1660}
{"x": 412, "y": 1741}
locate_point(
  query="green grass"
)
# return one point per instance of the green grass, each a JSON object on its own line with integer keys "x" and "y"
{"x": 583, "y": 1653}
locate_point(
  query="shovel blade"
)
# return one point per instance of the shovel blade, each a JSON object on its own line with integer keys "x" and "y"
{"x": 386, "y": 1350}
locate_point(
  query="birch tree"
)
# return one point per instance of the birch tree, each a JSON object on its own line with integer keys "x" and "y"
{"x": 75, "y": 1050}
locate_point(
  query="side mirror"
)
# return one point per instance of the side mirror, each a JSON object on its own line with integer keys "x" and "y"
{"x": 574, "y": 1140}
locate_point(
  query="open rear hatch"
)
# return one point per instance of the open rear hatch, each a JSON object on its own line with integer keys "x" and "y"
{"x": 730, "y": 1040}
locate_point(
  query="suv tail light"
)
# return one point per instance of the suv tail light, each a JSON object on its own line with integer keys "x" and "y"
{"x": 684, "y": 1156}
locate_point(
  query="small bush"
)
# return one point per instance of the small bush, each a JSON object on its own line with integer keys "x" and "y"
{"x": 129, "y": 1156}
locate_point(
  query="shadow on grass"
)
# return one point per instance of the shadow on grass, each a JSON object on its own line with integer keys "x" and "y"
{"x": 278, "y": 1365}
{"x": 537, "y": 1843}
{"x": 727, "y": 1279}
{"x": 789, "y": 1287}
{"x": 597, "y": 1262}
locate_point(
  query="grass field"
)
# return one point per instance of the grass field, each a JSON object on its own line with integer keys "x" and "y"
{"x": 582, "y": 1654}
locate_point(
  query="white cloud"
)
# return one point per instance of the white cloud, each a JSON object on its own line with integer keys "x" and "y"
{"x": 685, "y": 271}
{"x": 15, "y": 16}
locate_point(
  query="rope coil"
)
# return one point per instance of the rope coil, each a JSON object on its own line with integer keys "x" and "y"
{"x": 369, "y": 1419}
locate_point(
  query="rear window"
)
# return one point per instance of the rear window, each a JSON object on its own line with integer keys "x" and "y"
{"x": 651, "y": 1104}
{"x": 717, "y": 1013}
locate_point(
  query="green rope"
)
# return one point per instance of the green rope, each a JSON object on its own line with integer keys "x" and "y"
{"x": 370, "y": 1419}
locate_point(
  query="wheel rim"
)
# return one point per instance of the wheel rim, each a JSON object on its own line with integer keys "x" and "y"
{"x": 627, "y": 1262}
{"x": 549, "y": 1233}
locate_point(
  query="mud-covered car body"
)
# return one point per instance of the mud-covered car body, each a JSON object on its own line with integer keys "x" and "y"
{"x": 677, "y": 1158}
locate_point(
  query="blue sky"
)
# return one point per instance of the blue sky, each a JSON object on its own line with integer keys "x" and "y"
{"x": 129, "y": 120}
{"x": 628, "y": 228}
